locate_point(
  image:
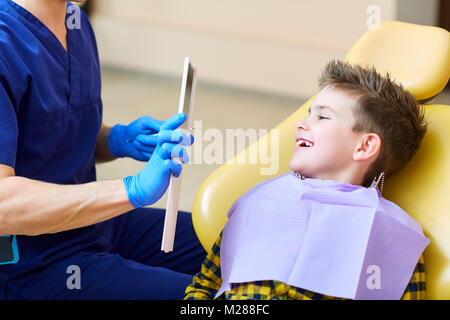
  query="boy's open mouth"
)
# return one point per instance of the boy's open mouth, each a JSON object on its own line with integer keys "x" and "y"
{"x": 300, "y": 142}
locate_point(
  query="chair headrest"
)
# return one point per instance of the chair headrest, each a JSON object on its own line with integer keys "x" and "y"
{"x": 416, "y": 56}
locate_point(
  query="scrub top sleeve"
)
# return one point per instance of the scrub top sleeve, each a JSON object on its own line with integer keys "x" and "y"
{"x": 9, "y": 130}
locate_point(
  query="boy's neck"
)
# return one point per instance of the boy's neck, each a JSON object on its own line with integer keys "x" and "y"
{"x": 352, "y": 176}
{"x": 52, "y": 13}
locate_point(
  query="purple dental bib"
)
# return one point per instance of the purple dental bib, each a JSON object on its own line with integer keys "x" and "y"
{"x": 324, "y": 236}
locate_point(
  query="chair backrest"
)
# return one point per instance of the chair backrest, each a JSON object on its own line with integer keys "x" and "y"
{"x": 416, "y": 56}
{"x": 422, "y": 189}
{"x": 419, "y": 58}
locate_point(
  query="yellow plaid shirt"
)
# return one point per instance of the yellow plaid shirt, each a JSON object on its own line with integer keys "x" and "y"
{"x": 207, "y": 282}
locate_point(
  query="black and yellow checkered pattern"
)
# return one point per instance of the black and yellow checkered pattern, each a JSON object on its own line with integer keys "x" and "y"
{"x": 207, "y": 282}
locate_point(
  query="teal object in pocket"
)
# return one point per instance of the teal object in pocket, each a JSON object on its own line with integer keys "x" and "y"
{"x": 9, "y": 252}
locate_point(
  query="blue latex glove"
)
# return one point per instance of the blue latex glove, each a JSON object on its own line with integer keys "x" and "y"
{"x": 150, "y": 184}
{"x": 121, "y": 138}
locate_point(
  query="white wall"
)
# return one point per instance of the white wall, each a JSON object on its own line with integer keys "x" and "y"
{"x": 274, "y": 46}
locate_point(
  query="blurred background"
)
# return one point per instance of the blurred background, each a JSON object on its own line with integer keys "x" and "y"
{"x": 257, "y": 60}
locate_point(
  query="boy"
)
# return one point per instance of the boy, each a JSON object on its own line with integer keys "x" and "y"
{"x": 359, "y": 126}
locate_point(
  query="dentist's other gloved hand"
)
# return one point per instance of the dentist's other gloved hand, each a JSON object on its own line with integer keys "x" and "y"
{"x": 122, "y": 138}
{"x": 150, "y": 184}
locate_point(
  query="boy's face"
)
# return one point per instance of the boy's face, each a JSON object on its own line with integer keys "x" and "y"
{"x": 329, "y": 129}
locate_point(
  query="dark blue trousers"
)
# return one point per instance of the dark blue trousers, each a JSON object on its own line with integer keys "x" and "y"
{"x": 132, "y": 266}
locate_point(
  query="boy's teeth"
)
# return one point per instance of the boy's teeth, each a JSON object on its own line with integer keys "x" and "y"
{"x": 301, "y": 143}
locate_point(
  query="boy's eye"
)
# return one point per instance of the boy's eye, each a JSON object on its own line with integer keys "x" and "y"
{"x": 320, "y": 117}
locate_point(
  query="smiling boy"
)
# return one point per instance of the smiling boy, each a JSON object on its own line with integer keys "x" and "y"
{"x": 327, "y": 147}
{"x": 360, "y": 125}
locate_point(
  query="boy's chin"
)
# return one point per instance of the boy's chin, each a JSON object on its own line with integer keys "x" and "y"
{"x": 300, "y": 168}
{"x": 296, "y": 167}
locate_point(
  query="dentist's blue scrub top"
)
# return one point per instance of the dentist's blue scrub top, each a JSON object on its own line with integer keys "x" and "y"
{"x": 50, "y": 115}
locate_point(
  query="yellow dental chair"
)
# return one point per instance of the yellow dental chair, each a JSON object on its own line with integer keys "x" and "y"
{"x": 419, "y": 58}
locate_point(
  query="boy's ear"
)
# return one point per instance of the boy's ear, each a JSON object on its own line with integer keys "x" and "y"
{"x": 368, "y": 147}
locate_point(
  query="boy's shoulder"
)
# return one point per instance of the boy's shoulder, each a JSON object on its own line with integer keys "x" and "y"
{"x": 398, "y": 213}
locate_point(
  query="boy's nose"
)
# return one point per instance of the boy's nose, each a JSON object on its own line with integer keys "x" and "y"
{"x": 302, "y": 124}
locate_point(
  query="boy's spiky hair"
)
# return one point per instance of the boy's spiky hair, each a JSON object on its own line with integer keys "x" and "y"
{"x": 384, "y": 108}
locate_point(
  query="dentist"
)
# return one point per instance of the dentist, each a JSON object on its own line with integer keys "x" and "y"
{"x": 51, "y": 136}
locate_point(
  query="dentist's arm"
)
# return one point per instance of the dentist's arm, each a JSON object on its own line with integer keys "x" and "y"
{"x": 30, "y": 207}
{"x": 102, "y": 152}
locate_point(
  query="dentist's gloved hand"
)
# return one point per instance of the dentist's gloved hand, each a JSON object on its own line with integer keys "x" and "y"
{"x": 122, "y": 143}
{"x": 150, "y": 184}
